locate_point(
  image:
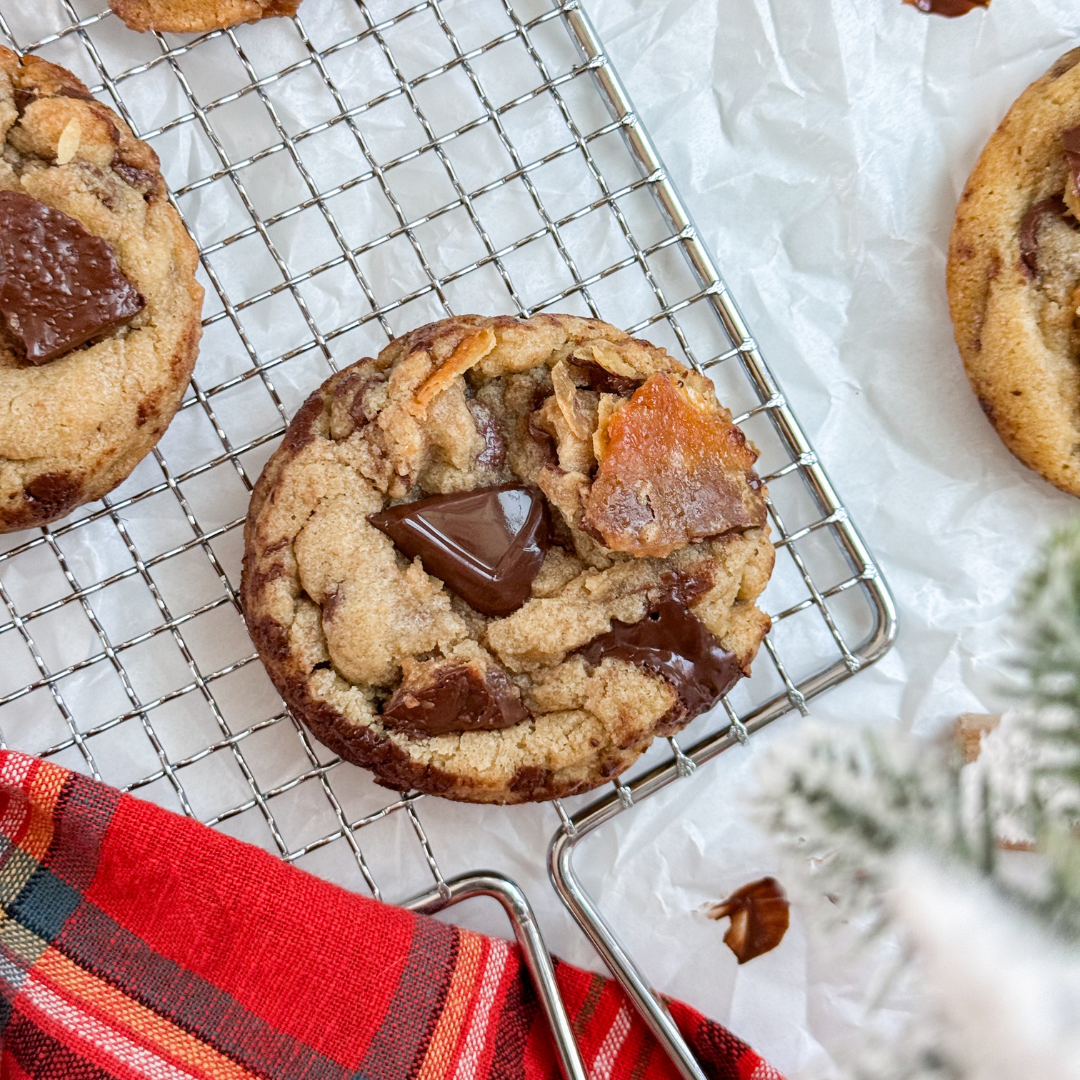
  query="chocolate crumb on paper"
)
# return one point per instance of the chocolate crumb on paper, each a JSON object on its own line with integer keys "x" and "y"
{"x": 759, "y": 914}
{"x": 949, "y": 8}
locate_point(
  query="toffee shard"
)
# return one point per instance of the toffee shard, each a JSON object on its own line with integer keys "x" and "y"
{"x": 676, "y": 470}
{"x": 951, "y": 9}
{"x": 759, "y": 914}
{"x": 485, "y": 545}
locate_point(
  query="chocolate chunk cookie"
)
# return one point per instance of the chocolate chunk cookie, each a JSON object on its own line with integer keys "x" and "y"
{"x": 1014, "y": 276}
{"x": 99, "y": 307}
{"x": 188, "y": 16}
{"x": 496, "y": 561}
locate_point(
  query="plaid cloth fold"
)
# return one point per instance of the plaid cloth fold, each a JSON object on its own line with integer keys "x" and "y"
{"x": 140, "y": 945}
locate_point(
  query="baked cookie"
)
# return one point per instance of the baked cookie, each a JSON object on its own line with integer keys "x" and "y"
{"x": 99, "y": 307}
{"x": 1014, "y": 276}
{"x": 496, "y": 561}
{"x": 189, "y": 16}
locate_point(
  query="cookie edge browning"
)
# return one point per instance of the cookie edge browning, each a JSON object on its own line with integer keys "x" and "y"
{"x": 1031, "y": 425}
{"x": 64, "y": 491}
{"x": 139, "y": 15}
{"x": 356, "y": 742}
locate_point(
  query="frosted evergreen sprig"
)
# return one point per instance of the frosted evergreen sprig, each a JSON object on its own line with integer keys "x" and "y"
{"x": 1049, "y": 662}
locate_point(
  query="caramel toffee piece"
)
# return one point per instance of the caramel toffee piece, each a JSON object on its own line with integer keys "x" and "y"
{"x": 486, "y": 545}
{"x": 60, "y": 286}
{"x": 949, "y": 8}
{"x": 676, "y": 470}
{"x": 672, "y": 642}
{"x": 459, "y": 699}
{"x": 759, "y": 914}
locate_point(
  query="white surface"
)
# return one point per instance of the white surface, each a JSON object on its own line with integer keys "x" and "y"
{"x": 821, "y": 148}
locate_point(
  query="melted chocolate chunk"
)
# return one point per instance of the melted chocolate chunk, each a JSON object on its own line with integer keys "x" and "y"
{"x": 485, "y": 545}
{"x": 759, "y": 914}
{"x": 1070, "y": 141}
{"x": 1054, "y": 206}
{"x": 599, "y": 378}
{"x": 143, "y": 181}
{"x": 674, "y": 643}
{"x": 949, "y": 8}
{"x": 60, "y": 286}
{"x": 460, "y": 699}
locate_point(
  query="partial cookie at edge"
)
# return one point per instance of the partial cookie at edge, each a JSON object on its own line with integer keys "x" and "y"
{"x": 1018, "y": 337}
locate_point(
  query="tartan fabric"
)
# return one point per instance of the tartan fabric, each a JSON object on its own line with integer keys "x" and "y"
{"x": 136, "y": 944}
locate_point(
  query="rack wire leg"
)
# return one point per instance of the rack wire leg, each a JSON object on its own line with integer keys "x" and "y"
{"x": 648, "y": 1004}
{"x": 527, "y": 931}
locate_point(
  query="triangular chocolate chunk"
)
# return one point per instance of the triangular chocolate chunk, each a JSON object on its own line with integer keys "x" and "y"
{"x": 60, "y": 285}
{"x": 485, "y": 545}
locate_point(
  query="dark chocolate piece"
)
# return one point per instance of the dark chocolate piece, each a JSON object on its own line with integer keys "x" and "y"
{"x": 599, "y": 378}
{"x": 1070, "y": 141}
{"x": 143, "y": 181}
{"x": 1054, "y": 206}
{"x": 672, "y": 642}
{"x": 54, "y": 492}
{"x": 60, "y": 286}
{"x": 486, "y": 545}
{"x": 759, "y": 914}
{"x": 460, "y": 699}
{"x": 949, "y": 8}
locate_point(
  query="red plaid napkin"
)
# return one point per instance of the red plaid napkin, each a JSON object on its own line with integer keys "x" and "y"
{"x": 137, "y": 944}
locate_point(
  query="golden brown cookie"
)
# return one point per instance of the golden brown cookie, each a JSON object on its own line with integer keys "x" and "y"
{"x": 189, "y": 16}
{"x": 99, "y": 306}
{"x": 496, "y": 561}
{"x": 1014, "y": 276}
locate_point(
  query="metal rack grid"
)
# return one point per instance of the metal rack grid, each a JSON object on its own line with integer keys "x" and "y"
{"x": 349, "y": 174}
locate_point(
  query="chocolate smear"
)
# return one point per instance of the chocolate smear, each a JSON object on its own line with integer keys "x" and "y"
{"x": 493, "y": 455}
{"x": 60, "y": 286}
{"x": 485, "y": 545}
{"x": 460, "y": 699}
{"x": 1054, "y": 206}
{"x": 599, "y": 378}
{"x": 1070, "y": 141}
{"x": 671, "y": 641}
{"x": 949, "y": 8}
{"x": 759, "y": 914}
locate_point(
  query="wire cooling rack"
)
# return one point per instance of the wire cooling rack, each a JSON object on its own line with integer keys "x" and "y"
{"x": 348, "y": 175}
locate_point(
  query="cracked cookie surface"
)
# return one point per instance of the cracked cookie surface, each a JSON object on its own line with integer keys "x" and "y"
{"x": 1014, "y": 276}
{"x": 639, "y": 610}
{"x": 86, "y": 392}
{"x": 194, "y": 16}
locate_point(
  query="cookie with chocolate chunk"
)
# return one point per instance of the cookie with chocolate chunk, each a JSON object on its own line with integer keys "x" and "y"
{"x": 1014, "y": 276}
{"x": 100, "y": 313}
{"x": 496, "y": 561}
{"x": 188, "y": 16}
